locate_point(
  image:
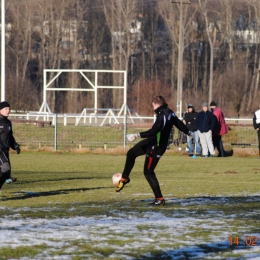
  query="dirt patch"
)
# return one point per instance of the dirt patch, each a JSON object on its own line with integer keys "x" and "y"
{"x": 246, "y": 151}
{"x": 231, "y": 172}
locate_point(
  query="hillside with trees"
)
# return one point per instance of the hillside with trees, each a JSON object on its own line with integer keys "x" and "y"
{"x": 203, "y": 51}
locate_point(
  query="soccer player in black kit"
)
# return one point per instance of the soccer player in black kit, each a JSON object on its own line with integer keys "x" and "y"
{"x": 153, "y": 147}
{"x": 7, "y": 141}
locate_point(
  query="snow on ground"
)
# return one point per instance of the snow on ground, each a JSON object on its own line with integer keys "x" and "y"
{"x": 173, "y": 236}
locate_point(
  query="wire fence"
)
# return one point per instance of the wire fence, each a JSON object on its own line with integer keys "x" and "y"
{"x": 55, "y": 135}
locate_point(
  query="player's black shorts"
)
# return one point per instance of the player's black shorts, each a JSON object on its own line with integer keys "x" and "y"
{"x": 3, "y": 157}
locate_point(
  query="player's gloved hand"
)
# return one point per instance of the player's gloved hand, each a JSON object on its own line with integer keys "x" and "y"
{"x": 17, "y": 148}
{"x": 132, "y": 137}
{"x": 190, "y": 134}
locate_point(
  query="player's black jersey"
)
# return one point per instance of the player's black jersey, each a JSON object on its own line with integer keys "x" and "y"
{"x": 6, "y": 134}
{"x": 161, "y": 129}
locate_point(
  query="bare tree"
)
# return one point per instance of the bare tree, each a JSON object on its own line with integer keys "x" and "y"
{"x": 60, "y": 34}
{"x": 256, "y": 35}
{"x": 20, "y": 47}
{"x": 72, "y": 29}
{"x": 179, "y": 18}
{"x": 50, "y": 17}
{"x": 228, "y": 29}
{"x": 120, "y": 14}
{"x": 213, "y": 26}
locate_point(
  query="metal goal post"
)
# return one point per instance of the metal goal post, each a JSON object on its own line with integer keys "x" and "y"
{"x": 93, "y": 87}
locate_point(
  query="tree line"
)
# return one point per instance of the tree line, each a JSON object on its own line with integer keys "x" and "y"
{"x": 203, "y": 51}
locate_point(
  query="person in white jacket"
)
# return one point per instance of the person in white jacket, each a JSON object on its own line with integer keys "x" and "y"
{"x": 256, "y": 123}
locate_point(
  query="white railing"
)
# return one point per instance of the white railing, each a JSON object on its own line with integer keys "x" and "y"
{"x": 90, "y": 116}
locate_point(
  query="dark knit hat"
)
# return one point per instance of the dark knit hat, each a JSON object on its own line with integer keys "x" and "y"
{"x": 190, "y": 105}
{"x": 4, "y": 104}
{"x": 204, "y": 104}
{"x": 212, "y": 104}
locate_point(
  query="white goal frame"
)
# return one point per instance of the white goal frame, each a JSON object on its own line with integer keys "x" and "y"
{"x": 93, "y": 85}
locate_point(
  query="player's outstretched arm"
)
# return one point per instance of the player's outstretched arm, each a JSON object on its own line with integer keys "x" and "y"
{"x": 180, "y": 125}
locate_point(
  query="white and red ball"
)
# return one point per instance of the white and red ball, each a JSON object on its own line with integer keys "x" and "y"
{"x": 116, "y": 178}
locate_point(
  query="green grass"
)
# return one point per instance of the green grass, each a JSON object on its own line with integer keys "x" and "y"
{"x": 64, "y": 185}
{"x": 68, "y": 175}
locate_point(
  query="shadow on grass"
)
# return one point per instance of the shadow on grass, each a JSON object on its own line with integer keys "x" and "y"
{"x": 48, "y": 177}
{"x": 31, "y": 194}
{"x": 221, "y": 250}
{"x": 60, "y": 179}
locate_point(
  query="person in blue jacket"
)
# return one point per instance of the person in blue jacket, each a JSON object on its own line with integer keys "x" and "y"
{"x": 205, "y": 123}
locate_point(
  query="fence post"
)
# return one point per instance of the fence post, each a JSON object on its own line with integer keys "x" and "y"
{"x": 125, "y": 129}
{"x": 65, "y": 120}
{"x": 55, "y": 133}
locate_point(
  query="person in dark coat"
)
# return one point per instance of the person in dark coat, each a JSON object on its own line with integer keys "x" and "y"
{"x": 7, "y": 141}
{"x": 153, "y": 146}
{"x": 189, "y": 119}
{"x": 256, "y": 123}
{"x": 220, "y": 129}
{"x": 205, "y": 122}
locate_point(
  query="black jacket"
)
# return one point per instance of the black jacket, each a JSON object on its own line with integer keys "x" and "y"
{"x": 190, "y": 119}
{"x": 6, "y": 134}
{"x": 158, "y": 135}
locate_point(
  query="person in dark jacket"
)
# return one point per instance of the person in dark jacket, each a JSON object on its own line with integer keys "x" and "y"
{"x": 221, "y": 128}
{"x": 205, "y": 123}
{"x": 256, "y": 123}
{"x": 153, "y": 147}
{"x": 7, "y": 141}
{"x": 189, "y": 119}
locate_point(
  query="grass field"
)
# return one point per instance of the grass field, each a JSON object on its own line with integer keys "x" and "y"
{"x": 64, "y": 206}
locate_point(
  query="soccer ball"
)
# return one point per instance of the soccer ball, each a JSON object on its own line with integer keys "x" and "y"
{"x": 116, "y": 178}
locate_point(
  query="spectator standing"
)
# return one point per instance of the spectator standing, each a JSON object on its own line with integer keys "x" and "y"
{"x": 256, "y": 123}
{"x": 220, "y": 129}
{"x": 205, "y": 123}
{"x": 189, "y": 120}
